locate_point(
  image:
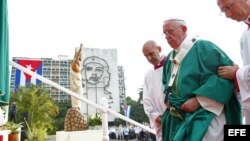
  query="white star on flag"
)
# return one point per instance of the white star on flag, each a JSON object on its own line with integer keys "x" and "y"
{"x": 29, "y": 67}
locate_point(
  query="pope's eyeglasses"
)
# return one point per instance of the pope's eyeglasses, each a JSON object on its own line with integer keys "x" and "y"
{"x": 171, "y": 31}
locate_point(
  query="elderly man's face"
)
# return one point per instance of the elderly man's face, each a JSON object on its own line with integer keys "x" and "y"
{"x": 233, "y": 9}
{"x": 174, "y": 33}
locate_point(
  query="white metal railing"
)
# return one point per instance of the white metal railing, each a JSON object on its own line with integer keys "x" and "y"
{"x": 103, "y": 106}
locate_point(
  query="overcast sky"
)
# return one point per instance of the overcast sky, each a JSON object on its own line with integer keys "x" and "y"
{"x": 48, "y": 28}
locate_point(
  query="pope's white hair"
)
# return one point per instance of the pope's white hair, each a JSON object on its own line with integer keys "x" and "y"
{"x": 179, "y": 20}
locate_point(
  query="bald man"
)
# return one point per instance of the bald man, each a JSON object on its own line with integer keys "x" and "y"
{"x": 153, "y": 97}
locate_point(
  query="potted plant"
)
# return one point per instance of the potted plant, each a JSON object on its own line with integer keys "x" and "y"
{"x": 14, "y": 130}
{"x": 95, "y": 121}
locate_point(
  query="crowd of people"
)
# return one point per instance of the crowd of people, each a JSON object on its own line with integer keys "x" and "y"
{"x": 130, "y": 132}
{"x": 193, "y": 91}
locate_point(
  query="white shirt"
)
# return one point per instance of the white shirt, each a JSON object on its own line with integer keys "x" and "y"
{"x": 153, "y": 97}
{"x": 243, "y": 74}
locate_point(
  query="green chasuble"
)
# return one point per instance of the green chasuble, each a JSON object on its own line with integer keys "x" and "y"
{"x": 197, "y": 76}
{"x": 4, "y": 55}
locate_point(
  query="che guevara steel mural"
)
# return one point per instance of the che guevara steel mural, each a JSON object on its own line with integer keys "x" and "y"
{"x": 96, "y": 78}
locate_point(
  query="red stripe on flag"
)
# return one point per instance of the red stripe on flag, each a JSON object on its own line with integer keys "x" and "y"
{"x": 30, "y": 64}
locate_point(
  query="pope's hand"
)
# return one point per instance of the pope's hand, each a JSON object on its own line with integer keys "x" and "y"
{"x": 190, "y": 105}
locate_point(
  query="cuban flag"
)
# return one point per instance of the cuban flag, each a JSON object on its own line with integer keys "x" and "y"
{"x": 23, "y": 78}
{"x": 128, "y": 111}
{"x": 126, "y": 108}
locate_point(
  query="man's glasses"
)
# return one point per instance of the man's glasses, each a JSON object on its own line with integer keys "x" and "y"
{"x": 171, "y": 31}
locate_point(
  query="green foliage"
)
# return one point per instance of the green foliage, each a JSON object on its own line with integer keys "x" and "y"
{"x": 130, "y": 101}
{"x": 59, "y": 119}
{"x": 138, "y": 114}
{"x": 118, "y": 122}
{"x": 95, "y": 120}
{"x": 40, "y": 108}
{"x": 137, "y": 111}
{"x": 13, "y": 127}
{"x": 35, "y": 134}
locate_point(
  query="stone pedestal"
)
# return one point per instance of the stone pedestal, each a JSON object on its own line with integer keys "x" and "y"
{"x": 91, "y": 135}
{"x": 97, "y": 127}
